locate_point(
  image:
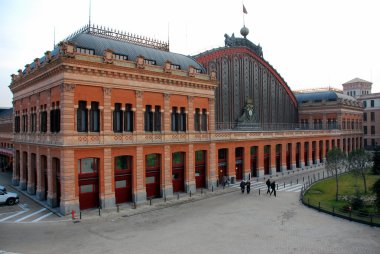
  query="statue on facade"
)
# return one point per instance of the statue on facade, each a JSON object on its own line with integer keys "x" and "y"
{"x": 248, "y": 118}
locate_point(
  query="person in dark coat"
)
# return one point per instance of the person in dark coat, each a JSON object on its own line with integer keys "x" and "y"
{"x": 273, "y": 187}
{"x": 268, "y": 185}
{"x": 242, "y": 186}
{"x": 248, "y": 184}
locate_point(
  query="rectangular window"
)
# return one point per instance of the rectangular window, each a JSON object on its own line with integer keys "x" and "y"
{"x": 151, "y": 160}
{"x": 148, "y": 118}
{"x": 150, "y": 179}
{"x": 372, "y": 116}
{"x": 157, "y": 118}
{"x": 121, "y": 184}
{"x": 178, "y": 158}
{"x": 197, "y": 120}
{"x": 82, "y": 113}
{"x": 121, "y": 163}
{"x": 119, "y": 57}
{"x": 365, "y": 117}
{"x": 365, "y": 104}
{"x": 17, "y": 124}
{"x": 85, "y": 51}
{"x": 88, "y": 166}
{"x": 199, "y": 156}
{"x": 43, "y": 121}
{"x": 129, "y": 118}
{"x": 204, "y": 120}
{"x": 372, "y": 130}
{"x": 182, "y": 120}
{"x": 118, "y": 118}
{"x": 175, "y": 119}
{"x": 55, "y": 120}
{"x": 149, "y": 61}
{"x": 365, "y": 130}
{"x": 88, "y": 188}
{"x": 372, "y": 103}
{"x": 94, "y": 117}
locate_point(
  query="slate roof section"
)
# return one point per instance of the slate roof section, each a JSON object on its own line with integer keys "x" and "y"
{"x": 6, "y": 112}
{"x": 322, "y": 96}
{"x": 357, "y": 80}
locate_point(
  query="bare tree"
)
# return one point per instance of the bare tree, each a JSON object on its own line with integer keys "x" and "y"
{"x": 360, "y": 163}
{"x": 336, "y": 160}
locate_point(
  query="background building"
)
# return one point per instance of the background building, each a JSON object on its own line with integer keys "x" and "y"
{"x": 6, "y": 139}
{"x": 362, "y": 91}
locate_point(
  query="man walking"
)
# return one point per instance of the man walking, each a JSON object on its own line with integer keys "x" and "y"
{"x": 242, "y": 186}
{"x": 248, "y": 187}
{"x": 268, "y": 185}
{"x": 273, "y": 187}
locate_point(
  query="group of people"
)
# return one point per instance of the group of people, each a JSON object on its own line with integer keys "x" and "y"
{"x": 271, "y": 185}
{"x": 244, "y": 185}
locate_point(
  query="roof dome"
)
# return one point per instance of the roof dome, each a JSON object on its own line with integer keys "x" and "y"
{"x": 244, "y": 31}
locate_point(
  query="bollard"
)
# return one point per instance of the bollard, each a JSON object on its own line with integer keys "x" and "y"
{"x": 303, "y": 179}
{"x": 259, "y": 192}
{"x": 134, "y": 205}
{"x": 201, "y": 191}
{"x": 284, "y": 184}
{"x": 277, "y": 186}
{"x": 333, "y": 210}
{"x": 99, "y": 210}
{"x": 291, "y": 183}
{"x": 73, "y": 214}
{"x": 164, "y": 198}
{"x": 297, "y": 180}
{"x": 117, "y": 207}
{"x": 150, "y": 201}
{"x": 319, "y": 206}
{"x": 318, "y": 175}
{"x": 177, "y": 195}
{"x": 190, "y": 193}
{"x": 212, "y": 188}
{"x": 80, "y": 215}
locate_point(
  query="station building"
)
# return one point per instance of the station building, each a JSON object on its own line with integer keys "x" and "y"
{"x": 108, "y": 118}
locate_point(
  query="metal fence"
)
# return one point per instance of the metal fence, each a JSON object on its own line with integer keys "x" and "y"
{"x": 235, "y": 126}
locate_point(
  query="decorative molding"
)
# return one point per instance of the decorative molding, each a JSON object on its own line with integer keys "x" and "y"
{"x": 67, "y": 87}
{"x": 190, "y": 98}
{"x": 166, "y": 96}
{"x": 140, "y": 62}
{"x": 139, "y": 94}
{"x": 107, "y": 56}
{"x": 191, "y": 71}
{"x": 67, "y": 49}
{"x": 168, "y": 67}
{"x": 107, "y": 90}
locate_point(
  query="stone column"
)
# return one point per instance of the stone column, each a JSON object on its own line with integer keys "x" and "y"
{"x": 311, "y": 122}
{"x": 23, "y": 173}
{"x": 283, "y": 157}
{"x": 212, "y": 162}
{"x": 48, "y": 108}
{"x": 231, "y": 170}
{"x": 167, "y": 183}
{"x": 107, "y": 113}
{"x": 272, "y": 160}
{"x": 247, "y": 163}
{"x": 190, "y": 169}
{"x": 211, "y": 116}
{"x": 16, "y": 171}
{"x": 139, "y": 113}
{"x": 139, "y": 190}
{"x": 302, "y": 154}
{"x": 167, "y": 110}
{"x": 31, "y": 174}
{"x": 107, "y": 198}
{"x": 51, "y": 198}
{"x": 324, "y": 121}
{"x": 317, "y": 159}
{"x": 293, "y": 152}
{"x": 69, "y": 183}
{"x": 68, "y": 123}
{"x": 260, "y": 160}
{"x": 310, "y": 153}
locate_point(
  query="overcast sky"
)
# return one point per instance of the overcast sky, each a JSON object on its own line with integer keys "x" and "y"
{"x": 311, "y": 44}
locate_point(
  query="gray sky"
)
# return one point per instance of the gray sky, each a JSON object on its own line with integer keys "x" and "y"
{"x": 310, "y": 43}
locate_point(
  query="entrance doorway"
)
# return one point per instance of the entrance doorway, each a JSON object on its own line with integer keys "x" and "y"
{"x": 178, "y": 172}
{"x": 123, "y": 179}
{"x": 200, "y": 169}
{"x": 88, "y": 174}
{"x": 152, "y": 180}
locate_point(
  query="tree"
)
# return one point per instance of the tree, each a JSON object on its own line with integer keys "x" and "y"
{"x": 359, "y": 163}
{"x": 376, "y": 161}
{"x": 336, "y": 160}
{"x": 376, "y": 189}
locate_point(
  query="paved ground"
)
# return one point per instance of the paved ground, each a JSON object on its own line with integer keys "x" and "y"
{"x": 229, "y": 223}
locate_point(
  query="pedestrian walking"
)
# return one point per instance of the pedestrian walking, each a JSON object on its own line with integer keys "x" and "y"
{"x": 268, "y": 185}
{"x": 273, "y": 187}
{"x": 248, "y": 184}
{"x": 242, "y": 186}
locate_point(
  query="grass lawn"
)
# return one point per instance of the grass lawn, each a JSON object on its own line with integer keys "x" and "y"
{"x": 324, "y": 191}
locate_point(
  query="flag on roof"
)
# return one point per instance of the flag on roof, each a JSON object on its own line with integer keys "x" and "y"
{"x": 244, "y": 9}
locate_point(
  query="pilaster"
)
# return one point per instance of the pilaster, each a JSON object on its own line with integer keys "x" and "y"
{"x": 139, "y": 192}
{"x": 108, "y": 196}
{"x": 212, "y": 162}
{"x": 231, "y": 170}
{"x": 272, "y": 160}
{"x": 167, "y": 186}
{"x": 167, "y": 119}
{"x": 107, "y": 113}
{"x": 69, "y": 182}
{"x": 190, "y": 169}
{"x": 260, "y": 160}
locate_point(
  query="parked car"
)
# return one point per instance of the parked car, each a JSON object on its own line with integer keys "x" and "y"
{"x": 9, "y": 198}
